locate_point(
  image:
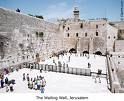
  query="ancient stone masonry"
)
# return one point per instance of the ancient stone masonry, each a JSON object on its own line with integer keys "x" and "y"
{"x": 23, "y": 36}
{"x": 91, "y": 36}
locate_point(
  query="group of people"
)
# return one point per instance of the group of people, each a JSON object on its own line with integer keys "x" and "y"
{"x": 5, "y": 82}
{"x": 36, "y": 83}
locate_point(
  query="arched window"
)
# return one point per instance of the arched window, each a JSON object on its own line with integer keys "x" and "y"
{"x": 81, "y": 26}
{"x": 68, "y": 35}
{"x": 85, "y": 34}
{"x": 76, "y": 34}
{"x": 97, "y": 34}
{"x": 68, "y": 28}
{"x": 63, "y": 26}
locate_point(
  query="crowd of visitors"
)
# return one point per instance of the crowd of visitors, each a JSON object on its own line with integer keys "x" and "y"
{"x": 36, "y": 83}
{"x": 8, "y": 84}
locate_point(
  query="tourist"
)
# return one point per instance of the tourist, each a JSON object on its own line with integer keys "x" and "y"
{"x": 35, "y": 86}
{"x": 2, "y": 83}
{"x": 63, "y": 64}
{"x": 95, "y": 80}
{"x": 34, "y": 80}
{"x": 69, "y": 59}
{"x": 42, "y": 89}
{"x": 43, "y": 83}
{"x": 28, "y": 77}
{"x": 40, "y": 70}
{"x": 23, "y": 76}
{"x": 6, "y": 80}
{"x": 89, "y": 65}
{"x": 40, "y": 77}
{"x": 7, "y": 88}
{"x": 38, "y": 85}
{"x": 29, "y": 84}
{"x": 11, "y": 87}
{"x": 99, "y": 80}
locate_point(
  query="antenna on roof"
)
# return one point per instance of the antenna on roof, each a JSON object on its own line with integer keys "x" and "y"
{"x": 122, "y": 14}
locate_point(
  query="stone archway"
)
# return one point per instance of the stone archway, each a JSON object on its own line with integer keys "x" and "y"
{"x": 85, "y": 52}
{"x": 72, "y": 50}
{"x": 98, "y": 53}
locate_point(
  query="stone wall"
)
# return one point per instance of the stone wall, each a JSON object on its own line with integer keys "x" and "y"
{"x": 23, "y": 36}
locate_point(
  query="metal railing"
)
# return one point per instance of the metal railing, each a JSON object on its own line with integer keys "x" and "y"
{"x": 60, "y": 69}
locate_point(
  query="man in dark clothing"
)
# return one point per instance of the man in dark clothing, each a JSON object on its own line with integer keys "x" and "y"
{"x": 89, "y": 65}
{"x": 28, "y": 77}
{"x": 2, "y": 83}
{"x": 6, "y": 80}
{"x": 23, "y": 76}
{"x": 11, "y": 88}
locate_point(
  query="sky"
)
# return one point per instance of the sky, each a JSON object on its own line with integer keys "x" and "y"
{"x": 55, "y": 9}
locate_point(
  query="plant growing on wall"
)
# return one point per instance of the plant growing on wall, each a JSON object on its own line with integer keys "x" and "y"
{"x": 39, "y": 16}
{"x": 41, "y": 34}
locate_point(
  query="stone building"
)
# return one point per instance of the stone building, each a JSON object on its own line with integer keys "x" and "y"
{"x": 93, "y": 36}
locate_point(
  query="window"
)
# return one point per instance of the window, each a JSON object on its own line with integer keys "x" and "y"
{"x": 1, "y": 43}
{"x": 81, "y": 25}
{"x": 96, "y": 33}
{"x": 68, "y": 35}
{"x": 23, "y": 57}
{"x": 28, "y": 35}
{"x": 85, "y": 34}
{"x": 68, "y": 28}
{"x": 27, "y": 57}
{"x": 76, "y": 34}
{"x": 96, "y": 26}
{"x": 120, "y": 31}
{"x": 63, "y": 26}
{"x": 114, "y": 37}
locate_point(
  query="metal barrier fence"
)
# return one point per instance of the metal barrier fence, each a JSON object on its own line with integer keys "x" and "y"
{"x": 60, "y": 69}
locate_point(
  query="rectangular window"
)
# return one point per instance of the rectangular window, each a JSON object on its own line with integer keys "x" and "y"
{"x": 85, "y": 34}
{"x": 68, "y": 35}
{"x": 76, "y": 34}
{"x": 96, "y": 33}
{"x": 81, "y": 26}
{"x": 96, "y": 26}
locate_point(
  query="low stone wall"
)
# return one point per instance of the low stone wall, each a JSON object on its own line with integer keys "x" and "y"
{"x": 113, "y": 79}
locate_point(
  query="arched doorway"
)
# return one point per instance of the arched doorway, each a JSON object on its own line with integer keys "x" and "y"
{"x": 72, "y": 50}
{"x": 85, "y": 52}
{"x": 98, "y": 53}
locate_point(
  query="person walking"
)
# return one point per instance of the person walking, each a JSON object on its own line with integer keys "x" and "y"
{"x": 2, "y": 83}
{"x": 89, "y": 65}
{"x": 23, "y": 76}
{"x": 7, "y": 88}
{"x": 42, "y": 89}
{"x": 28, "y": 77}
